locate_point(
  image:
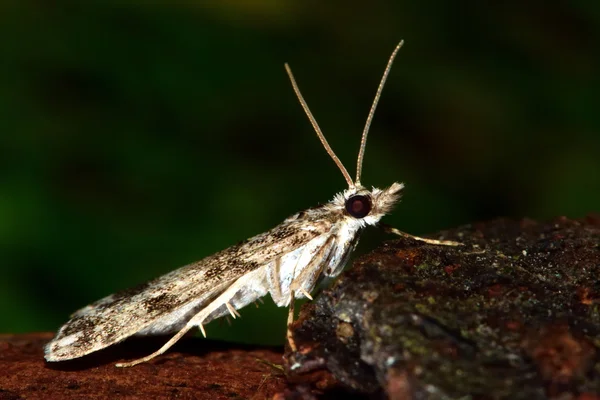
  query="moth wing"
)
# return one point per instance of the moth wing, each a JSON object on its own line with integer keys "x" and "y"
{"x": 179, "y": 293}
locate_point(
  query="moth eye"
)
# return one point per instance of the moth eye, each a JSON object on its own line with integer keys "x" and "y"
{"x": 358, "y": 206}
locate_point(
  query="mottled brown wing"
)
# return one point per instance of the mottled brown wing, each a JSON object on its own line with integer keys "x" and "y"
{"x": 180, "y": 292}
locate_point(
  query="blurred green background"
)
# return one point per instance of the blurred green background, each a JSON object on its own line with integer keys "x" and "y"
{"x": 139, "y": 138}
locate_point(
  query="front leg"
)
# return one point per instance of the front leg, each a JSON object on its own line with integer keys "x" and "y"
{"x": 306, "y": 280}
{"x": 390, "y": 229}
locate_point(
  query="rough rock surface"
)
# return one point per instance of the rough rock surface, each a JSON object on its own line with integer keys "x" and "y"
{"x": 514, "y": 313}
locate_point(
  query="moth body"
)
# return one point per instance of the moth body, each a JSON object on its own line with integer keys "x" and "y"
{"x": 289, "y": 258}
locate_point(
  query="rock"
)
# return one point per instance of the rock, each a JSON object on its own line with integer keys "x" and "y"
{"x": 514, "y": 313}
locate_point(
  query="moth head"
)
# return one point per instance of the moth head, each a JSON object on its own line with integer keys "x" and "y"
{"x": 368, "y": 206}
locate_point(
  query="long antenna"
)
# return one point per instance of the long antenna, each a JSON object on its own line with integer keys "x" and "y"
{"x": 363, "y": 142}
{"x": 313, "y": 121}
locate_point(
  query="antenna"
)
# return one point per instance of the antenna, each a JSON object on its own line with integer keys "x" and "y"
{"x": 363, "y": 142}
{"x": 313, "y": 121}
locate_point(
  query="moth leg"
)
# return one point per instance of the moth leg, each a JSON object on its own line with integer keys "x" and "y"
{"x": 305, "y": 293}
{"x": 232, "y": 310}
{"x": 390, "y": 229}
{"x": 290, "y": 321}
{"x": 158, "y": 352}
{"x": 307, "y": 278}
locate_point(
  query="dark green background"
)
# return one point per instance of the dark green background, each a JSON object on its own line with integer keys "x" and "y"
{"x": 138, "y": 138}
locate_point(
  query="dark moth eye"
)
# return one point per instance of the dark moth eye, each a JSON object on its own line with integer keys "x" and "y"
{"x": 358, "y": 206}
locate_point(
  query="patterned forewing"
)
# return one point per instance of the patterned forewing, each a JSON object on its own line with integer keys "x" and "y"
{"x": 123, "y": 314}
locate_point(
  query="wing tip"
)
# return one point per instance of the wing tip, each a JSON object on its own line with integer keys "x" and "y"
{"x": 63, "y": 348}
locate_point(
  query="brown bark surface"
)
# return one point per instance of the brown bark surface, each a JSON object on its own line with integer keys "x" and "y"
{"x": 514, "y": 313}
{"x": 195, "y": 369}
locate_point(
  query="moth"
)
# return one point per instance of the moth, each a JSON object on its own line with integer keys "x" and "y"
{"x": 285, "y": 262}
